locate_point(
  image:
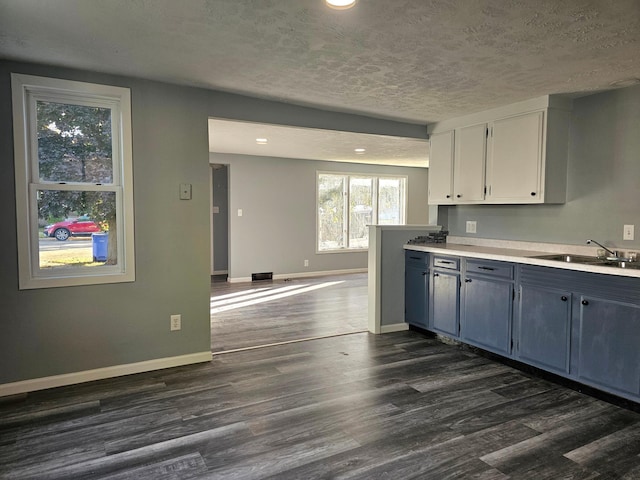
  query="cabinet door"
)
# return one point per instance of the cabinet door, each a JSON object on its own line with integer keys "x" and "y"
{"x": 445, "y": 302}
{"x": 416, "y": 294}
{"x": 469, "y": 163}
{"x": 486, "y": 314}
{"x": 609, "y": 345}
{"x": 441, "y": 168}
{"x": 514, "y": 166}
{"x": 544, "y": 328}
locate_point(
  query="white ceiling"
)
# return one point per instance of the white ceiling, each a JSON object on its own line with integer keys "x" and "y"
{"x": 419, "y": 61}
{"x": 313, "y": 144}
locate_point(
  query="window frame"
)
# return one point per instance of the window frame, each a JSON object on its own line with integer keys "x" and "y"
{"x": 347, "y": 200}
{"x": 27, "y": 90}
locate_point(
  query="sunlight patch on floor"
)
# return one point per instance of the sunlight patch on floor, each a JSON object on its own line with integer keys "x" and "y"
{"x": 264, "y": 296}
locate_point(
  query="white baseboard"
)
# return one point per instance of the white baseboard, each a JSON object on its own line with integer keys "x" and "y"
{"x": 396, "y": 327}
{"x": 322, "y": 273}
{"x": 101, "y": 373}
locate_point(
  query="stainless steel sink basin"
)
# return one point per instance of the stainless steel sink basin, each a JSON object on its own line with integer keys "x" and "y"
{"x": 586, "y": 260}
{"x": 568, "y": 258}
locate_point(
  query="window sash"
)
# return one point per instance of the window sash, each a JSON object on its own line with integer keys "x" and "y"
{"x": 26, "y": 92}
{"x": 347, "y": 193}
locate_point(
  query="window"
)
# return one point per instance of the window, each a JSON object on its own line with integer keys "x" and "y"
{"x": 72, "y": 145}
{"x": 349, "y": 203}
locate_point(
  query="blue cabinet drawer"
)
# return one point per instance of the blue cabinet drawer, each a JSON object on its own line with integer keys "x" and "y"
{"x": 488, "y": 267}
{"x": 417, "y": 258}
{"x": 451, "y": 263}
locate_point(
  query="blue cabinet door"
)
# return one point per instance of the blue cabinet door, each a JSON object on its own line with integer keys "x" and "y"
{"x": 609, "y": 345}
{"x": 416, "y": 294}
{"x": 486, "y": 313}
{"x": 544, "y": 328}
{"x": 445, "y": 302}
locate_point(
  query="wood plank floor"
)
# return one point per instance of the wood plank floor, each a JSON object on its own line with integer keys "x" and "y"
{"x": 358, "y": 406}
{"x": 266, "y": 312}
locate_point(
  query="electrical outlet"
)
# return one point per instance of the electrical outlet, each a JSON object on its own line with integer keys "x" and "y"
{"x": 471, "y": 226}
{"x": 628, "y": 232}
{"x": 306, "y": 263}
{"x": 239, "y": 212}
{"x": 176, "y": 322}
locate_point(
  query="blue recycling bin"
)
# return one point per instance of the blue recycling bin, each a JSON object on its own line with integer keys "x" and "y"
{"x": 100, "y": 242}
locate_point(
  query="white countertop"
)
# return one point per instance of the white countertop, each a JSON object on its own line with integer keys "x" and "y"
{"x": 519, "y": 256}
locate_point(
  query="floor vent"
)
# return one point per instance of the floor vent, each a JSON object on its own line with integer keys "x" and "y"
{"x": 255, "y": 277}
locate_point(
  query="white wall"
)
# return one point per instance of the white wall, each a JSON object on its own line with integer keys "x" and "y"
{"x": 277, "y": 230}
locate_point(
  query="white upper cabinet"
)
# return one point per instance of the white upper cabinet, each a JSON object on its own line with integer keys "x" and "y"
{"x": 515, "y": 163}
{"x": 515, "y": 154}
{"x": 469, "y": 163}
{"x": 441, "y": 168}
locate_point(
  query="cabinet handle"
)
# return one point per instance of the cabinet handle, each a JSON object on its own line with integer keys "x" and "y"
{"x": 448, "y": 196}
{"x": 424, "y": 273}
{"x": 436, "y": 274}
{"x": 467, "y": 280}
{"x": 533, "y": 194}
{"x": 585, "y": 302}
{"x": 415, "y": 258}
{"x": 563, "y": 298}
{"x": 486, "y": 268}
{"x": 459, "y": 196}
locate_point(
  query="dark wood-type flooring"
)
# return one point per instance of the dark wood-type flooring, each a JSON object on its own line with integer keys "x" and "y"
{"x": 288, "y": 310}
{"x": 358, "y": 406}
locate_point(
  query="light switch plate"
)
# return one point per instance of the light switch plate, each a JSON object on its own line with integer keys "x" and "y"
{"x": 628, "y": 232}
{"x": 185, "y": 191}
{"x": 471, "y": 226}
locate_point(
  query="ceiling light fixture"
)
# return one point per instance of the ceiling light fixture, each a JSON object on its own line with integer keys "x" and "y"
{"x": 261, "y": 141}
{"x": 359, "y": 151}
{"x": 340, "y": 4}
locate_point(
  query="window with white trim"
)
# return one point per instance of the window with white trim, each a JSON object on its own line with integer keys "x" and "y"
{"x": 348, "y": 203}
{"x": 74, "y": 185}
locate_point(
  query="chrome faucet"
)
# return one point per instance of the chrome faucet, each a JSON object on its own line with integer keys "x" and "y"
{"x": 612, "y": 252}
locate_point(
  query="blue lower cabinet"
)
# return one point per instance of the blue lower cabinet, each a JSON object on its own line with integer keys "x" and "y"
{"x": 544, "y": 328}
{"x": 445, "y": 302}
{"x": 609, "y": 345}
{"x": 486, "y": 316}
{"x": 416, "y": 294}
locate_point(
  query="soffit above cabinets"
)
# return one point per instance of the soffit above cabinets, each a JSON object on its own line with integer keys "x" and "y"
{"x": 237, "y": 137}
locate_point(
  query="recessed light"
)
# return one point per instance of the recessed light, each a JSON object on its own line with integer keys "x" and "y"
{"x": 261, "y": 141}
{"x": 341, "y": 4}
{"x": 359, "y": 151}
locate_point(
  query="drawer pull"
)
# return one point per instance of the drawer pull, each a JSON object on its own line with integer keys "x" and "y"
{"x": 467, "y": 280}
{"x": 424, "y": 273}
{"x": 486, "y": 268}
{"x": 445, "y": 261}
{"x": 436, "y": 274}
{"x": 415, "y": 258}
{"x": 563, "y": 298}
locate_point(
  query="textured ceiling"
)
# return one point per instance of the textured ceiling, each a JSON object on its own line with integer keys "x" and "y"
{"x": 415, "y": 60}
{"x": 419, "y": 61}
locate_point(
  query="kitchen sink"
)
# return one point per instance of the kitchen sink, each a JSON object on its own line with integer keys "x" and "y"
{"x": 587, "y": 260}
{"x": 568, "y": 258}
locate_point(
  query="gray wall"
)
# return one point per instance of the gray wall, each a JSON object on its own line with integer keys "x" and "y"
{"x": 220, "y": 187}
{"x": 277, "y": 230}
{"x": 603, "y": 182}
{"x": 63, "y": 330}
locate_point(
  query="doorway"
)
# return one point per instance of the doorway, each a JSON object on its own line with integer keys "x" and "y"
{"x": 219, "y": 222}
